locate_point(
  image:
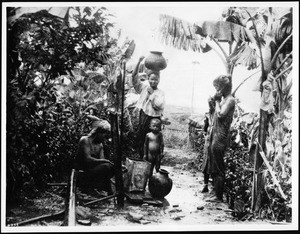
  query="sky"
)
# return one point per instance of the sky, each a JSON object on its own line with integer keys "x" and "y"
{"x": 187, "y": 80}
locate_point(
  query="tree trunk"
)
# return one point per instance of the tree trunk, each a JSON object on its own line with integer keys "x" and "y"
{"x": 258, "y": 180}
{"x": 117, "y": 159}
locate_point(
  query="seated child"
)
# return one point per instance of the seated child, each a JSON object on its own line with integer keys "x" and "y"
{"x": 154, "y": 145}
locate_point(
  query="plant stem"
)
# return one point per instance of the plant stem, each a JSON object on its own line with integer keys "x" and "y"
{"x": 286, "y": 58}
{"x": 281, "y": 73}
{"x": 218, "y": 53}
{"x": 233, "y": 93}
{"x": 222, "y": 49}
{"x": 278, "y": 50}
{"x": 259, "y": 47}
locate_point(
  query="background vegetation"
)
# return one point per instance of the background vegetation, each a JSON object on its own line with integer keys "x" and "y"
{"x": 62, "y": 71}
{"x": 59, "y": 73}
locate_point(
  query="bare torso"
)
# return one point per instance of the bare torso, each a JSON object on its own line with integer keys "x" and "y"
{"x": 154, "y": 142}
{"x": 95, "y": 150}
{"x": 153, "y": 150}
{"x": 87, "y": 149}
{"x": 154, "y": 146}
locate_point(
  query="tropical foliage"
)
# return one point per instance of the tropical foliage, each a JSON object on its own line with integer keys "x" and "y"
{"x": 64, "y": 71}
{"x": 59, "y": 71}
{"x": 256, "y": 38}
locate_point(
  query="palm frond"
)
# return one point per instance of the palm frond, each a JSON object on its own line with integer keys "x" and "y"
{"x": 179, "y": 33}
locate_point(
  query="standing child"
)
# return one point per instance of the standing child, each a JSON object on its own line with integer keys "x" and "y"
{"x": 154, "y": 145}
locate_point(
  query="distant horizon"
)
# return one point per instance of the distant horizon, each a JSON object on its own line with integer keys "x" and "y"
{"x": 188, "y": 109}
{"x": 187, "y": 79}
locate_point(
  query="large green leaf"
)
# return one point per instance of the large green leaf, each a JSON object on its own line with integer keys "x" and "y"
{"x": 224, "y": 31}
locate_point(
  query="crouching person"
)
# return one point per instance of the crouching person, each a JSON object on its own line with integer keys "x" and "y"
{"x": 90, "y": 159}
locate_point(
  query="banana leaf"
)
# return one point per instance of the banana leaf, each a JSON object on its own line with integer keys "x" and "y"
{"x": 180, "y": 34}
{"x": 245, "y": 56}
{"x": 224, "y": 31}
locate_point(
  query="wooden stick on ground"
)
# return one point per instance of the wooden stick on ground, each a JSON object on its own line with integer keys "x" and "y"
{"x": 37, "y": 219}
{"x": 100, "y": 199}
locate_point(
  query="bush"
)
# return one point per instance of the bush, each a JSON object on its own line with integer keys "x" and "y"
{"x": 238, "y": 180}
{"x": 175, "y": 139}
{"x": 43, "y": 127}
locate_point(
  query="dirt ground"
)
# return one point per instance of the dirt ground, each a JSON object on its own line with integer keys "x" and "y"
{"x": 184, "y": 208}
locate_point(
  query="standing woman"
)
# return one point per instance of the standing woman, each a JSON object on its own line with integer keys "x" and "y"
{"x": 224, "y": 109}
{"x": 151, "y": 103}
{"x": 208, "y": 122}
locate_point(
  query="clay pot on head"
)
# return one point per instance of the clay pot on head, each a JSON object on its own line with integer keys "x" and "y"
{"x": 160, "y": 184}
{"x": 155, "y": 61}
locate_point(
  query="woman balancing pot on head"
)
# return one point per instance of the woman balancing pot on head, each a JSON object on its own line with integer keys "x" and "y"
{"x": 152, "y": 99}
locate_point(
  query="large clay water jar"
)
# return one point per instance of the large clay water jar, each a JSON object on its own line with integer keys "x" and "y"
{"x": 155, "y": 61}
{"x": 160, "y": 184}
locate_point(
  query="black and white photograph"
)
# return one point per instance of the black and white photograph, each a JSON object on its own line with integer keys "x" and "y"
{"x": 149, "y": 116}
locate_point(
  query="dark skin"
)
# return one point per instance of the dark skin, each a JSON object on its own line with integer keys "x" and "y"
{"x": 224, "y": 106}
{"x": 135, "y": 79}
{"x": 149, "y": 96}
{"x": 90, "y": 158}
{"x": 227, "y": 103}
{"x": 154, "y": 145}
{"x": 211, "y": 104}
{"x": 153, "y": 78}
{"x": 91, "y": 149}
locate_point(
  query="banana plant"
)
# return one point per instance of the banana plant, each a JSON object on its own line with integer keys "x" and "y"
{"x": 273, "y": 31}
{"x": 211, "y": 35}
{"x": 252, "y": 34}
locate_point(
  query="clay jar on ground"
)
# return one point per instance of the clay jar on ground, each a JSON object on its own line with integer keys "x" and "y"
{"x": 160, "y": 184}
